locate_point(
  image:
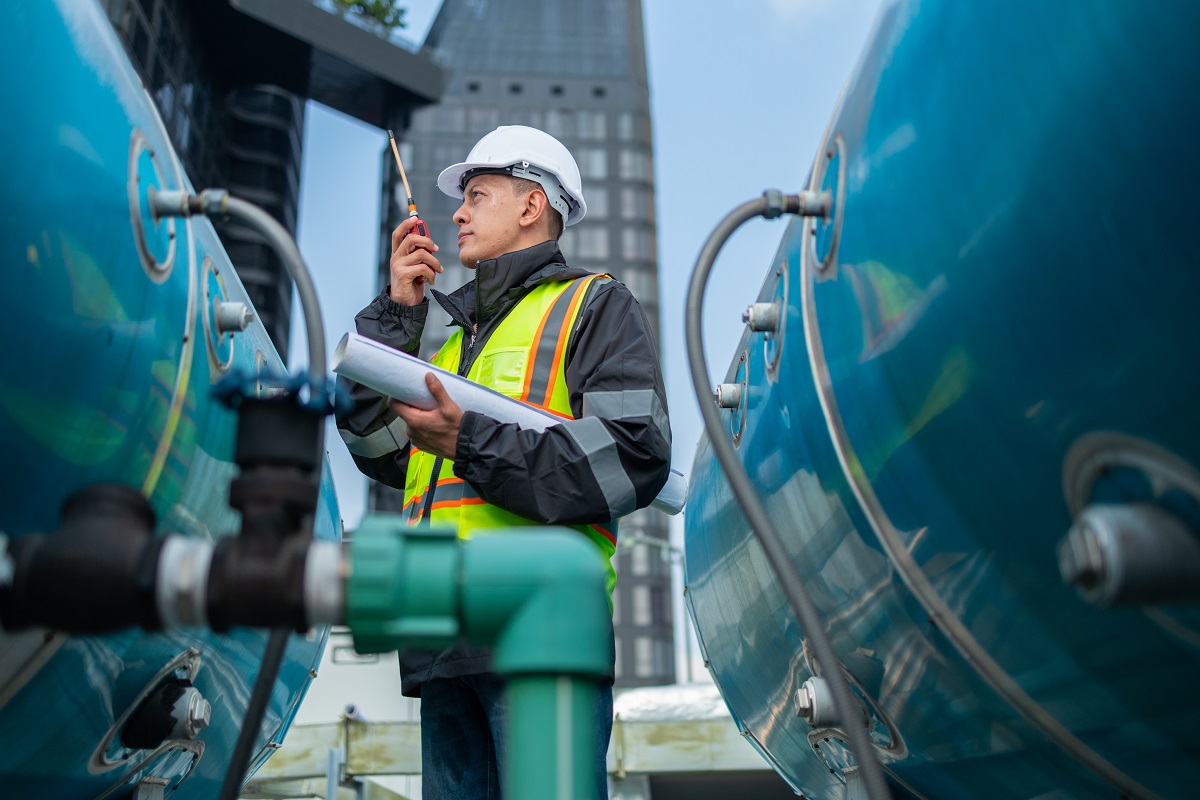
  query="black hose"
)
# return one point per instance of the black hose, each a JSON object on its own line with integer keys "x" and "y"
{"x": 236, "y": 775}
{"x": 743, "y": 489}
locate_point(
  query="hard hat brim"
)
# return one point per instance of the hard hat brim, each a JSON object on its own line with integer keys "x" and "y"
{"x": 450, "y": 183}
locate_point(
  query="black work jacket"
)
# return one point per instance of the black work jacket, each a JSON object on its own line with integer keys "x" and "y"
{"x": 544, "y": 476}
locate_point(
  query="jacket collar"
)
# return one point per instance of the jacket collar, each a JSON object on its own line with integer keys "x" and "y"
{"x": 500, "y": 282}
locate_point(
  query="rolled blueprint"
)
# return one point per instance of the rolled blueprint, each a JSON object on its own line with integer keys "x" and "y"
{"x": 400, "y": 376}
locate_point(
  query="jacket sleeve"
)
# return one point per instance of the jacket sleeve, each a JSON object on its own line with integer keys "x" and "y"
{"x": 376, "y": 438}
{"x": 614, "y": 458}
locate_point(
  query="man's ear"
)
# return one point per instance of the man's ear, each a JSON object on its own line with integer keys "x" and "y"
{"x": 535, "y": 208}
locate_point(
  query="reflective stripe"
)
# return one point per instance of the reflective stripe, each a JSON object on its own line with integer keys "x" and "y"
{"x": 624, "y": 405}
{"x": 456, "y": 503}
{"x": 447, "y": 489}
{"x": 600, "y": 449}
{"x": 388, "y": 439}
{"x": 556, "y": 388}
{"x": 541, "y": 350}
{"x": 607, "y": 534}
{"x": 519, "y": 367}
{"x": 546, "y": 349}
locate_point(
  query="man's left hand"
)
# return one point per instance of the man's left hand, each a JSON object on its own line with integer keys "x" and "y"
{"x": 436, "y": 430}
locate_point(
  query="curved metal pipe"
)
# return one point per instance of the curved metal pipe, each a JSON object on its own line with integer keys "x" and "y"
{"x": 218, "y": 202}
{"x": 771, "y": 205}
{"x": 283, "y": 244}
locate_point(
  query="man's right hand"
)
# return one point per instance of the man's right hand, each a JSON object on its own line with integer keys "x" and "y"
{"x": 412, "y": 265}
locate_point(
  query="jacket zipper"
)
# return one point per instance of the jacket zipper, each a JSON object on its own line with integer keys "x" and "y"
{"x": 464, "y": 366}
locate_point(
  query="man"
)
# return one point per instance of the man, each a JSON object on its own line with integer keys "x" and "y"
{"x": 548, "y": 334}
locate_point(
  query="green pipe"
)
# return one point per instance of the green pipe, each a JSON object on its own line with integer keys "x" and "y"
{"x": 537, "y": 596}
{"x": 551, "y": 741}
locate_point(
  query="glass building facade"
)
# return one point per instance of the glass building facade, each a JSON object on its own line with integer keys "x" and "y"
{"x": 231, "y": 80}
{"x": 578, "y": 71}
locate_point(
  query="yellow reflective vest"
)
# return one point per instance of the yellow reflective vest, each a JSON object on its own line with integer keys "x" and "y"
{"x": 529, "y": 369}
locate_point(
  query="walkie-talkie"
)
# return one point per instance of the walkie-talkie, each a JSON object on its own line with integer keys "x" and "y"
{"x": 420, "y": 228}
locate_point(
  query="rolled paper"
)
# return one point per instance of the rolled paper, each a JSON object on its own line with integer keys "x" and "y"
{"x": 402, "y": 377}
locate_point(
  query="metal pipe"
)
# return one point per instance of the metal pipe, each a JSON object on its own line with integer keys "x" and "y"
{"x": 283, "y": 244}
{"x": 1136, "y": 554}
{"x": 771, "y": 205}
{"x": 218, "y": 202}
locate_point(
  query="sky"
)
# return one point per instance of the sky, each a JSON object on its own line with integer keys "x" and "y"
{"x": 741, "y": 94}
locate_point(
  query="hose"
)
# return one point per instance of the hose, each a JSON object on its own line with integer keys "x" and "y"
{"x": 285, "y": 247}
{"x": 216, "y": 203}
{"x": 239, "y": 762}
{"x": 771, "y": 205}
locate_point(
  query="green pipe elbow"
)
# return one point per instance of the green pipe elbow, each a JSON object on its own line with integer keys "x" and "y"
{"x": 539, "y": 596}
{"x": 536, "y": 595}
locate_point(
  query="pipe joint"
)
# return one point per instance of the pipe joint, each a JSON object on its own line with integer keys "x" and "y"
{"x": 402, "y": 589}
{"x": 1135, "y": 554}
{"x": 95, "y": 574}
{"x": 515, "y": 587}
{"x": 775, "y": 204}
{"x": 814, "y": 204}
{"x": 412, "y": 588}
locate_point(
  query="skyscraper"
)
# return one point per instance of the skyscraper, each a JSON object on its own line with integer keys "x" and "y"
{"x": 230, "y": 79}
{"x": 578, "y": 71}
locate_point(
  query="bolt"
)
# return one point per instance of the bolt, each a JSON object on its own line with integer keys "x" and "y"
{"x": 1080, "y": 559}
{"x": 192, "y": 714}
{"x": 232, "y": 317}
{"x": 804, "y": 705}
{"x": 199, "y": 714}
{"x": 729, "y": 395}
{"x": 762, "y": 317}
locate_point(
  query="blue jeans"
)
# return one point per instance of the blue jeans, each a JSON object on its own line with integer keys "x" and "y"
{"x": 462, "y": 738}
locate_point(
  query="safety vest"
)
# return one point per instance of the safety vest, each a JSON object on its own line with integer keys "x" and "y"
{"x": 532, "y": 371}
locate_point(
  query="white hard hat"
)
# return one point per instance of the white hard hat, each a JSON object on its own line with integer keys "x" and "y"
{"x": 528, "y": 153}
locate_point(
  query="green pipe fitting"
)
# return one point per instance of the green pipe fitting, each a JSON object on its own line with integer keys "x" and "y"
{"x": 402, "y": 590}
{"x": 537, "y": 596}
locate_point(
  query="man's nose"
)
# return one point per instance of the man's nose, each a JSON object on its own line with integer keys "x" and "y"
{"x": 460, "y": 215}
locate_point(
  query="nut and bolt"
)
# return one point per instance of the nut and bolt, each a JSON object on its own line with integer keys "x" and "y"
{"x": 762, "y": 317}
{"x": 232, "y": 317}
{"x": 804, "y": 704}
{"x": 192, "y": 714}
{"x": 1080, "y": 557}
{"x": 729, "y": 395}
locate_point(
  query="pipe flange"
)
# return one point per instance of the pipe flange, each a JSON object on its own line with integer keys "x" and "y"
{"x": 1109, "y": 476}
{"x": 1096, "y": 456}
{"x": 218, "y": 342}
{"x": 110, "y": 753}
{"x": 823, "y": 235}
{"x": 773, "y": 340}
{"x": 741, "y": 379}
{"x": 173, "y": 762}
{"x": 154, "y": 236}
